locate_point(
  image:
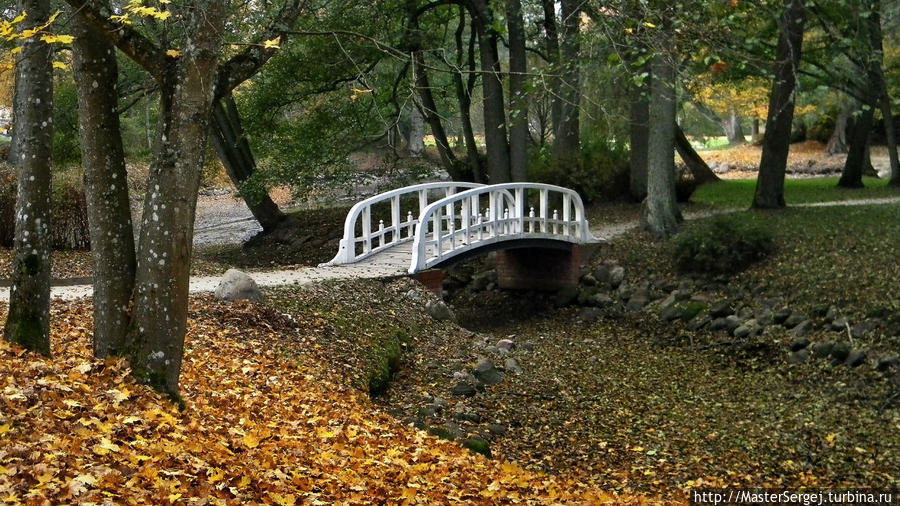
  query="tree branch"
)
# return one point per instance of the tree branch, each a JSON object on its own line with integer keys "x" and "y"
{"x": 247, "y": 63}
{"x": 139, "y": 48}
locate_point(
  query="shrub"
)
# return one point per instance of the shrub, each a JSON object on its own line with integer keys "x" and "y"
{"x": 724, "y": 244}
{"x": 601, "y": 171}
{"x": 69, "y": 222}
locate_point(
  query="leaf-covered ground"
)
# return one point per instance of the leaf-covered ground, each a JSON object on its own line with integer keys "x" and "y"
{"x": 263, "y": 423}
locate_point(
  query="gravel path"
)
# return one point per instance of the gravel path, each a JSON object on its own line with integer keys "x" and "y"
{"x": 306, "y": 275}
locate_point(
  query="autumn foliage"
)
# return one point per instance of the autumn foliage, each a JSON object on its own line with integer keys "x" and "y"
{"x": 257, "y": 427}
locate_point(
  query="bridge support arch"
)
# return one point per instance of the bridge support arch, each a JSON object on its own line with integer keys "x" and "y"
{"x": 541, "y": 269}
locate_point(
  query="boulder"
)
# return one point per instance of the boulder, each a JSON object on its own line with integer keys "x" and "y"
{"x": 823, "y": 349}
{"x": 840, "y": 324}
{"x": 463, "y": 389}
{"x": 439, "y": 310}
{"x": 616, "y": 276}
{"x": 565, "y": 296}
{"x": 486, "y": 373}
{"x": 856, "y": 358}
{"x": 720, "y": 309}
{"x": 804, "y": 328}
{"x": 237, "y": 285}
{"x": 780, "y": 316}
{"x": 799, "y": 356}
{"x": 799, "y": 343}
{"x": 506, "y": 344}
{"x": 888, "y": 362}
{"x": 841, "y": 351}
{"x": 512, "y": 365}
{"x": 864, "y": 328}
{"x": 796, "y": 318}
{"x": 637, "y": 302}
{"x": 589, "y": 314}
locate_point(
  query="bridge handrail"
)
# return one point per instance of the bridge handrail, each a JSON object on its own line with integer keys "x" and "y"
{"x": 362, "y": 210}
{"x": 492, "y": 227}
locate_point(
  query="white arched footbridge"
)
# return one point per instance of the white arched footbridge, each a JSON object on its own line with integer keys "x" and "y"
{"x": 431, "y": 225}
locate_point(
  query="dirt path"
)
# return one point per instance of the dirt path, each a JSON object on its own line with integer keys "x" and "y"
{"x": 308, "y": 275}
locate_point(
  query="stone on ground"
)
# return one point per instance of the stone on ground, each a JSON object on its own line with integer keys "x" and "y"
{"x": 237, "y": 285}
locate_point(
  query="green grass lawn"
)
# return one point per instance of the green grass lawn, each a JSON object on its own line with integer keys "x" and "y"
{"x": 738, "y": 193}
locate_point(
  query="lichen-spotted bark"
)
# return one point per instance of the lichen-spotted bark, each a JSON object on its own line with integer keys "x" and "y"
{"x": 109, "y": 214}
{"x": 28, "y": 320}
{"x": 156, "y": 339}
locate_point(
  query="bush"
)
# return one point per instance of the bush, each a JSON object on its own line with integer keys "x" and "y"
{"x": 601, "y": 171}
{"x": 724, "y": 244}
{"x": 69, "y": 222}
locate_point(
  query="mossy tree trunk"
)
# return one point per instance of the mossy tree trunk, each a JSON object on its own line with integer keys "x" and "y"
{"x": 28, "y": 321}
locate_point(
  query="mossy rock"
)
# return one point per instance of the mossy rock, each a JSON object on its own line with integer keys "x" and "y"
{"x": 477, "y": 445}
{"x": 442, "y": 433}
{"x": 384, "y": 358}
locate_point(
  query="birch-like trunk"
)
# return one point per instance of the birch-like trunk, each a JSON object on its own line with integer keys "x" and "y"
{"x": 28, "y": 321}
{"x": 164, "y": 253}
{"x": 109, "y": 213}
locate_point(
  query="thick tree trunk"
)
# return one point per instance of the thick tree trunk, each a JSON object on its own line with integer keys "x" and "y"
{"x": 464, "y": 95}
{"x": 891, "y": 134}
{"x": 12, "y": 156}
{"x": 109, "y": 211}
{"x": 837, "y": 143}
{"x": 416, "y": 138}
{"x": 552, "y": 51}
{"x": 28, "y": 320}
{"x": 733, "y": 131}
{"x": 639, "y": 133}
{"x": 566, "y": 142}
{"x": 661, "y": 214}
{"x": 164, "y": 252}
{"x": 770, "y": 182}
{"x": 857, "y": 154}
{"x": 698, "y": 167}
{"x": 518, "y": 101}
{"x": 754, "y": 130}
{"x": 496, "y": 144}
{"x": 233, "y": 150}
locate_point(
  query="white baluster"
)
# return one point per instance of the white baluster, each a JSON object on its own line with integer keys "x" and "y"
{"x": 531, "y": 220}
{"x": 409, "y": 226}
{"x": 480, "y": 227}
{"x": 555, "y": 221}
{"x": 380, "y": 233}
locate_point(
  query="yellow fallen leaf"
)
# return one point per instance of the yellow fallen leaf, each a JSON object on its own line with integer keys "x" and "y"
{"x": 174, "y": 53}
{"x": 272, "y": 43}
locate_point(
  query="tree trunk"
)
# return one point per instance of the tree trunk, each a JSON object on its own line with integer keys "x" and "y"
{"x": 496, "y": 144}
{"x": 28, "y": 320}
{"x": 416, "y": 138}
{"x": 661, "y": 214}
{"x": 770, "y": 183}
{"x": 857, "y": 154}
{"x": 566, "y": 142}
{"x": 164, "y": 253}
{"x": 732, "y": 126}
{"x": 464, "y": 95}
{"x": 429, "y": 111}
{"x": 754, "y": 130}
{"x": 518, "y": 101}
{"x": 698, "y": 167}
{"x": 891, "y": 134}
{"x": 552, "y": 50}
{"x": 837, "y": 143}
{"x": 109, "y": 212}
{"x": 233, "y": 150}
{"x": 638, "y": 135}
{"x": 12, "y": 156}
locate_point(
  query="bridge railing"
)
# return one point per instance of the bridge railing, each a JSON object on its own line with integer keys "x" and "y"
{"x": 487, "y": 214}
{"x": 363, "y": 238}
